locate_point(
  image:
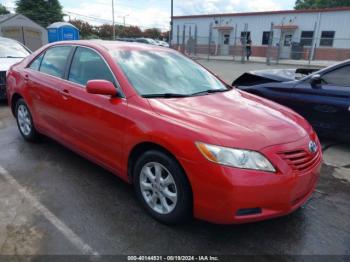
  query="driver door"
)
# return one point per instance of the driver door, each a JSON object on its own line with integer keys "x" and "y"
{"x": 327, "y": 104}
{"x": 97, "y": 121}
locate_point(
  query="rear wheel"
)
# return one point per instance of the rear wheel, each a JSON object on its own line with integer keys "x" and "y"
{"x": 25, "y": 121}
{"x": 162, "y": 187}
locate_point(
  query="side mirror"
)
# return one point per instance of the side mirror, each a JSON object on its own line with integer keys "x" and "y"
{"x": 101, "y": 87}
{"x": 316, "y": 81}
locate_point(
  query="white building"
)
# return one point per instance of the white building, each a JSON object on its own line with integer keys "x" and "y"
{"x": 327, "y": 30}
{"x": 24, "y": 30}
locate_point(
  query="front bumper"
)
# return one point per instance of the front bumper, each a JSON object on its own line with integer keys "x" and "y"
{"x": 224, "y": 194}
{"x": 3, "y": 94}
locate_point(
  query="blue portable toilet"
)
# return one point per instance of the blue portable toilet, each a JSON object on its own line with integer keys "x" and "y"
{"x": 62, "y": 31}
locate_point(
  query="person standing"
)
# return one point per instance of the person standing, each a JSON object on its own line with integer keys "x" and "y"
{"x": 249, "y": 47}
{"x": 190, "y": 45}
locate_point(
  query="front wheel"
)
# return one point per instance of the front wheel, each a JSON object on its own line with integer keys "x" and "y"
{"x": 25, "y": 121}
{"x": 162, "y": 187}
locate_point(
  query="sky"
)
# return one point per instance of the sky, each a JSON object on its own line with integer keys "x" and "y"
{"x": 156, "y": 13}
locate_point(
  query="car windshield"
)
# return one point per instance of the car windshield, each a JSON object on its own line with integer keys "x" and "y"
{"x": 160, "y": 73}
{"x": 12, "y": 49}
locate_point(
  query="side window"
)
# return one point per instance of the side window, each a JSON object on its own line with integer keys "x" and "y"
{"x": 338, "y": 77}
{"x": 306, "y": 38}
{"x": 35, "y": 65}
{"x": 54, "y": 61}
{"x": 327, "y": 38}
{"x": 88, "y": 65}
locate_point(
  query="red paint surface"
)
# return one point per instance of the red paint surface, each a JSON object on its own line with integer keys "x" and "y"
{"x": 106, "y": 129}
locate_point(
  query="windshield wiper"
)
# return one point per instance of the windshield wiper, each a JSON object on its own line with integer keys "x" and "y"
{"x": 165, "y": 95}
{"x": 209, "y": 91}
{"x": 9, "y": 56}
{"x": 174, "y": 95}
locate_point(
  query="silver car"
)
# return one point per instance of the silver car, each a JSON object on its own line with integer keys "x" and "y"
{"x": 11, "y": 52}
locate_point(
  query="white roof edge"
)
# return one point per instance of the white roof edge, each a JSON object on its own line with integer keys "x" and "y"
{"x": 60, "y": 24}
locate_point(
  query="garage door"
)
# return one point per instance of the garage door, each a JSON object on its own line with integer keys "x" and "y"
{"x": 30, "y": 37}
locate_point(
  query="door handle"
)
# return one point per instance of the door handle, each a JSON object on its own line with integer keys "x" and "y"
{"x": 26, "y": 78}
{"x": 65, "y": 94}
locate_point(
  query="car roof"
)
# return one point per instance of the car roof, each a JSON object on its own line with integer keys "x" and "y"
{"x": 114, "y": 45}
{"x": 340, "y": 64}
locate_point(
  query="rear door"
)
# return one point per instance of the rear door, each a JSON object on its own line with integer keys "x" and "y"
{"x": 96, "y": 121}
{"x": 44, "y": 77}
{"x": 327, "y": 106}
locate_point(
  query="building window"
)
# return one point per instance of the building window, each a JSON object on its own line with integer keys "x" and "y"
{"x": 327, "y": 38}
{"x": 306, "y": 38}
{"x": 226, "y": 39}
{"x": 266, "y": 37}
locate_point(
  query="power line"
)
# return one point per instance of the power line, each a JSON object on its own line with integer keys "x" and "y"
{"x": 125, "y": 5}
{"x": 110, "y": 21}
{"x": 103, "y": 20}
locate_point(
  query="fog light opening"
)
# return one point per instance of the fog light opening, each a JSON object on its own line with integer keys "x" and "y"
{"x": 249, "y": 211}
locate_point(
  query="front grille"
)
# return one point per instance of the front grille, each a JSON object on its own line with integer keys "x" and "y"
{"x": 2, "y": 78}
{"x": 2, "y": 85}
{"x": 301, "y": 160}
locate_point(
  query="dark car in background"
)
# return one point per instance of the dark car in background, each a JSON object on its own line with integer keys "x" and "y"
{"x": 321, "y": 96}
{"x": 11, "y": 52}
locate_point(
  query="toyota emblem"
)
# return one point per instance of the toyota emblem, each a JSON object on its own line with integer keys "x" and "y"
{"x": 313, "y": 147}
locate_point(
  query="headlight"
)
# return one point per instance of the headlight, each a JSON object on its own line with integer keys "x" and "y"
{"x": 235, "y": 157}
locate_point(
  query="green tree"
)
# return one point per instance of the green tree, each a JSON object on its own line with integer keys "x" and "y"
{"x": 312, "y": 4}
{"x": 86, "y": 30}
{"x": 128, "y": 31}
{"x": 44, "y": 12}
{"x": 105, "y": 31}
{"x": 152, "y": 33}
{"x": 3, "y": 10}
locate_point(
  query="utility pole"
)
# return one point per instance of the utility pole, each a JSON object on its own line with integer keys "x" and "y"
{"x": 113, "y": 20}
{"x": 124, "y": 19}
{"x": 171, "y": 23}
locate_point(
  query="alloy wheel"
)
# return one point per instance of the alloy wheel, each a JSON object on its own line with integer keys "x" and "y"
{"x": 24, "y": 120}
{"x": 158, "y": 188}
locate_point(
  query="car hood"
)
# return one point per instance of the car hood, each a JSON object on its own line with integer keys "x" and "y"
{"x": 272, "y": 75}
{"x": 235, "y": 118}
{"x": 6, "y": 63}
{"x": 277, "y": 74}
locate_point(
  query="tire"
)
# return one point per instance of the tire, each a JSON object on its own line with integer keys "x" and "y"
{"x": 152, "y": 192}
{"x": 25, "y": 122}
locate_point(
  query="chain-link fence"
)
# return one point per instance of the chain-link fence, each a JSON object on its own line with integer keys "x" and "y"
{"x": 276, "y": 46}
{"x": 204, "y": 47}
{"x": 313, "y": 51}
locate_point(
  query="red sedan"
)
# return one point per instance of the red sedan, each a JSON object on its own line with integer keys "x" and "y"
{"x": 190, "y": 144}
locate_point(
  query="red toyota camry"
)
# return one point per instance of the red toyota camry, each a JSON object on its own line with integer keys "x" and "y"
{"x": 190, "y": 144}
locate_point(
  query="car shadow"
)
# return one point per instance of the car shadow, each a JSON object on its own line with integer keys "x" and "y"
{"x": 3, "y": 103}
